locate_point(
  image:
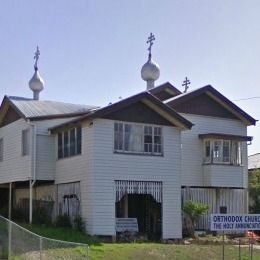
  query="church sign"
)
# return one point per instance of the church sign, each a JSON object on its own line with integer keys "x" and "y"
{"x": 126, "y": 224}
{"x": 233, "y": 222}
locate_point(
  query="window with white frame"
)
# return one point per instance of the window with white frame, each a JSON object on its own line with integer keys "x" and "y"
{"x": 25, "y": 142}
{"x": 1, "y": 149}
{"x": 222, "y": 151}
{"x": 69, "y": 142}
{"x": 137, "y": 138}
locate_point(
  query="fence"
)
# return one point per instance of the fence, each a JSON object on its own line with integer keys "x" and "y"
{"x": 19, "y": 243}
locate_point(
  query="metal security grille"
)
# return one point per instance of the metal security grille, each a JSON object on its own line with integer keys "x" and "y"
{"x": 153, "y": 188}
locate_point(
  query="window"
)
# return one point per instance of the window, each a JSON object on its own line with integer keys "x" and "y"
{"x": 222, "y": 151}
{"x": 135, "y": 138}
{"x": 1, "y": 149}
{"x": 207, "y": 151}
{"x": 25, "y": 142}
{"x": 69, "y": 143}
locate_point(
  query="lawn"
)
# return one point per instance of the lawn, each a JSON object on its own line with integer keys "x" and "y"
{"x": 143, "y": 251}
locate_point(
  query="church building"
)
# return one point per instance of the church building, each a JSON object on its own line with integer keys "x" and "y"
{"x": 142, "y": 157}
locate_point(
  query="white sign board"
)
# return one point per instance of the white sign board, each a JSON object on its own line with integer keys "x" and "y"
{"x": 126, "y": 224}
{"x": 229, "y": 222}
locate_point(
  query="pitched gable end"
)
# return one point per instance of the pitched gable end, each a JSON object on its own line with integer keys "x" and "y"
{"x": 8, "y": 113}
{"x": 138, "y": 112}
{"x": 208, "y": 101}
{"x": 203, "y": 105}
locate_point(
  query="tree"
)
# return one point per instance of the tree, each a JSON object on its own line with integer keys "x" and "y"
{"x": 193, "y": 211}
{"x": 254, "y": 191}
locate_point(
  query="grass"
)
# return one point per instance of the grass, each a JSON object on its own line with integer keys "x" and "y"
{"x": 135, "y": 251}
{"x": 66, "y": 234}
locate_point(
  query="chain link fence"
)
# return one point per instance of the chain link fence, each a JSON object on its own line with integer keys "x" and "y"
{"x": 19, "y": 243}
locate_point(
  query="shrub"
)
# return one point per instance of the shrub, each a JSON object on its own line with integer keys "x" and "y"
{"x": 79, "y": 223}
{"x": 41, "y": 216}
{"x": 63, "y": 221}
{"x": 194, "y": 210}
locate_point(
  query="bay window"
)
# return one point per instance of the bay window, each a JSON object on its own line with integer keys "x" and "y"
{"x": 222, "y": 151}
{"x": 137, "y": 138}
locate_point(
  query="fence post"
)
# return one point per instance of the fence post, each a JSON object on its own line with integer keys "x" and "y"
{"x": 223, "y": 245}
{"x": 88, "y": 254}
{"x": 10, "y": 240}
{"x": 40, "y": 248}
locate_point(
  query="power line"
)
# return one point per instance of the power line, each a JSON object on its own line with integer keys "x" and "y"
{"x": 246, "y": 98}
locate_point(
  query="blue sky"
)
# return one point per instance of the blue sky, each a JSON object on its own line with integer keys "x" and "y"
{"x": 92, "y": 51}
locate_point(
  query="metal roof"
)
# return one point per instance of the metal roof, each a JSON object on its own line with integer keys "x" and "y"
{"x": 254, "y": 161}
{"x": 31, "y": 108}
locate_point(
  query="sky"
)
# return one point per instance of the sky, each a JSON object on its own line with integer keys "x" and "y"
{"x": 92, "y": 51}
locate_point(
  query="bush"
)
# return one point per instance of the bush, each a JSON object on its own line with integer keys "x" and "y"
{"x": 20, "y": 215}
{"x": 79, "y": 223}
{"x": 194, "y": 210}
{"x": 41, "y": 216}
{"x": 63, "y": 221}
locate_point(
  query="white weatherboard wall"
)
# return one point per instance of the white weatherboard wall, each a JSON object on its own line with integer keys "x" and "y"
{"x": 14, "y": 166}
{"x": 79, "y": 168}
{"x": 109, "y": 166}
{"x": 192, "y": 149}
{"x": 45, "y": 148}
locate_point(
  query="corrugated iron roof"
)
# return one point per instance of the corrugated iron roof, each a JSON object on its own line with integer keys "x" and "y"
{"x": 254, "y": 161}
{"x": 31, "y": 108}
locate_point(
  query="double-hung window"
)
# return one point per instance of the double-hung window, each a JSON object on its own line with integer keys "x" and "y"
{"x": 137, "y": 138}
{"x": 69, "y": 142}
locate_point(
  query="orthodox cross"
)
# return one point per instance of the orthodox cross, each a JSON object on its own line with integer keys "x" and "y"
{"x": 36, "y": 57}
{"x": 186, "y": 84}
{"x": 150, "y": 41}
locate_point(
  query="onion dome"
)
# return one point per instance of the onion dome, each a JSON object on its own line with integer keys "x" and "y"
{"x": 36, "y": 83}
{"x": 150, "y": 70}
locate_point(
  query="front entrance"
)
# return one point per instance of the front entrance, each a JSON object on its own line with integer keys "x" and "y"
{"x": 141, "y": 200}
{"x": 147, "y": 211}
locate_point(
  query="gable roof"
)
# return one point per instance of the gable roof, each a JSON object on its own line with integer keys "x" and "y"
{"x": 165, "y": 91}
{"x": 148, "y": 99}
{"x": 216, "y": 96}
{"x": 40, "y": 109}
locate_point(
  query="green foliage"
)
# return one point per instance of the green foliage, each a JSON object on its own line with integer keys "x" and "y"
{"x": 78, "y": 223}
{"x": 193, "y": 211}
{"x": 41, "y": 216}
{"x": 62, "y": 233}
{"x": 20, "y": 215}
{"x": 254, "y": 191}
{"x": 63, "y": 221}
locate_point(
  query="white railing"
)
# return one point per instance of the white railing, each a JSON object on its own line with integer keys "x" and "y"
{"x": 19, "y": 243}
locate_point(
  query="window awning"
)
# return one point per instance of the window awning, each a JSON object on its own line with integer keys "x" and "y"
{"x": 226, "y": 137}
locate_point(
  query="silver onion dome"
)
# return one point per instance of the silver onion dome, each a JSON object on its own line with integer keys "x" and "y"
{"x": 36, "y": 83}
{"x": 150, "y": 70}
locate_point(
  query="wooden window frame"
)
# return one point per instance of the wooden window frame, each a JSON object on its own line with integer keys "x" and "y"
{"x": 143, "y": 152}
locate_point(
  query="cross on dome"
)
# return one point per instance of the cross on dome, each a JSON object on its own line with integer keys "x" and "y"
{"x": 150, "y": 41}
{"x": 36, "y": 57}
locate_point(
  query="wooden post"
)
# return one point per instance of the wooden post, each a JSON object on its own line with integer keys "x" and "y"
{"x": 10, "y": 201}
{"x": 126, "y": 206}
